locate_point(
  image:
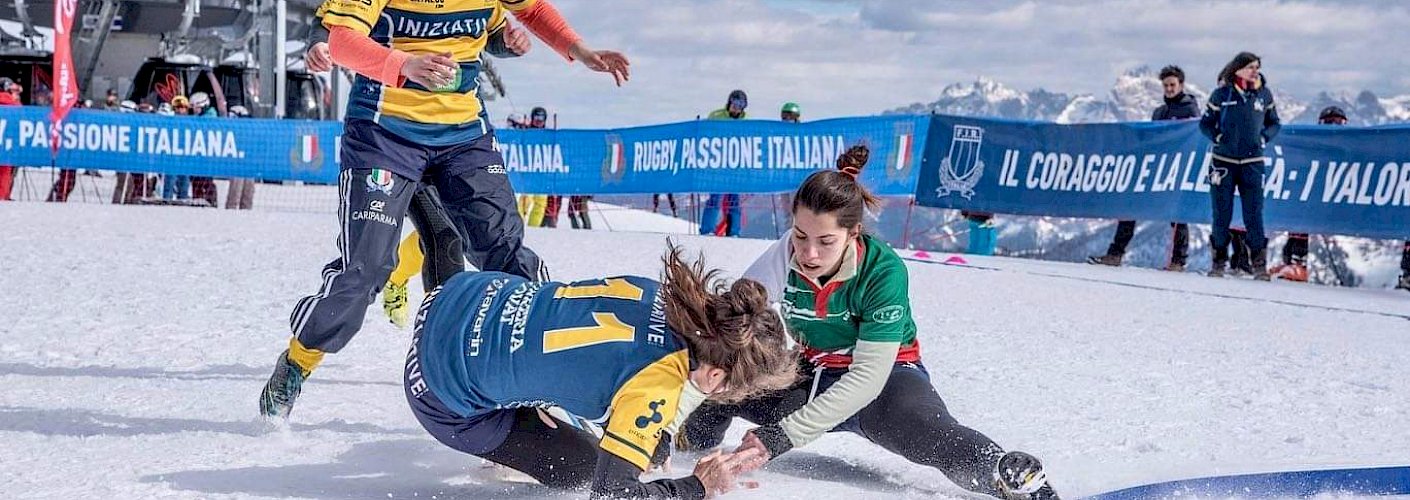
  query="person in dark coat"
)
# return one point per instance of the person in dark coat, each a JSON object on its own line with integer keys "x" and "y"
{"x": 1179, "y": 105}
{"x": 1241, "y": 119}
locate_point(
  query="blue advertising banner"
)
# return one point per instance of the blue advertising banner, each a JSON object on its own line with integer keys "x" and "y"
{"x": 183, "y": 145}
{"x": 707, "y": 156}
{"x": 750, "y": 156}
{"x": 1320, "y": 179}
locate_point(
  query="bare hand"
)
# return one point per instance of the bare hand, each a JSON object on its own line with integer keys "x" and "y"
{"x": 432, "y": 71}
{"x": 718, "y": 472}
{"x": 604, "y": 61}
{"x": 752, "y": 442}
{"x": 318, "y": 58}
{"x": 517, "y": 40}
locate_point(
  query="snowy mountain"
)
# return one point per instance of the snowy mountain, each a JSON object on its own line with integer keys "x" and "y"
{"x": 985, "y": 97}
{"x": 1132, "y": 98}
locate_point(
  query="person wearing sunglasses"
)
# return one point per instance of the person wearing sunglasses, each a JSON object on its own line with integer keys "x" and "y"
{"x": 722, "y": 215}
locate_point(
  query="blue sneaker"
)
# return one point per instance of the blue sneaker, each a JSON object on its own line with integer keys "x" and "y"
{"x": 277, "y": 398}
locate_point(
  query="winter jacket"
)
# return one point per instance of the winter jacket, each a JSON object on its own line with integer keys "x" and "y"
{"x": 1182, "y": 107}
{"x": 1241, "y": 122}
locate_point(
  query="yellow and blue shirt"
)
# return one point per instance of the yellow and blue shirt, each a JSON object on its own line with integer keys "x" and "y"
{"x": 599, "y": 349}
{"x": 459, "y": 27}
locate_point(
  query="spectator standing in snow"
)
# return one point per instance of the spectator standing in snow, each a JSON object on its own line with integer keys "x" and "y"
{"x": 538, "y": 118}
{"x": 1179, "y": 105}
{"x": 176, "y": 187}
{"x": 241, "y": 194}
{"x": 63, "y": 186}
{"x": 1404, "y": 283}
{"x": 204, "y": 187}
{"x": 1294, "y": 266}
{"x": 9, "y": 96}
{"x": 1241, "y": 118}
{"x": 722, "y": 215}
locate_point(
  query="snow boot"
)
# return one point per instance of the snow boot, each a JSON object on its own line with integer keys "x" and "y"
{"x": 1259, "y": 263}
{"x": 1105, "y": 260}
{"x": 1020, "y": 476}
{"x": 1404, "y": 282}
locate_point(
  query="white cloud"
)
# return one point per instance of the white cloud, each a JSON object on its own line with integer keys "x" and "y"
{"x": 840, "y": 58}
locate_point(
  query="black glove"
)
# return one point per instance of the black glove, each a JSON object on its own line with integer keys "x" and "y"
{"x": 663, "y": 450}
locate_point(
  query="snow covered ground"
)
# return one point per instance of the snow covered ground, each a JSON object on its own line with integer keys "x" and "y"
{"x": 134, "y": 341}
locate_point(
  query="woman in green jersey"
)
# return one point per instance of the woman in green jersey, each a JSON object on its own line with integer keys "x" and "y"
{"x": 845, "y": 296}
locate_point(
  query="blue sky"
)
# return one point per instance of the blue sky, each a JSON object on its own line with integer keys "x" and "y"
{"x": 851, "y": 57}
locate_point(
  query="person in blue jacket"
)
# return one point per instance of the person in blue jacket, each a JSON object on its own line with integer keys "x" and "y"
{"x": 492, "y": 351}
{"x": 1241, "y": 119}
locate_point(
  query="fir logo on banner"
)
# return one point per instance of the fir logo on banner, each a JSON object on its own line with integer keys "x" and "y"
{"x": 899, "y": 163}
{"x": 306, "y": 153}
{"x": 380, "y": 180}
{"x": 614, "y": 166}
{"x": 961, "y": 169}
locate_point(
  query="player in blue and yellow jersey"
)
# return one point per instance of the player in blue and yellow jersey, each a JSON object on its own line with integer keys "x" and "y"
{"x": 492, "y": 350}
{"x": 415, "y": 118}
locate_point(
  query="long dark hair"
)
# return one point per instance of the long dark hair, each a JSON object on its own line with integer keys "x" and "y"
{"x": 1226, "y": 76}
{"x": 730, "y": 327}
{"x": 839, "y": 192}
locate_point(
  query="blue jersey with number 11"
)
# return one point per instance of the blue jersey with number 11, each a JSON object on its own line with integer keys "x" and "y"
{"x": 599, "y": 349}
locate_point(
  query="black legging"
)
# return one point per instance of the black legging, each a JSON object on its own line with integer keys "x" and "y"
{"x": 568, "y": 457}
{"x": 440, "y": 242}
{"x": 908, "y": 419}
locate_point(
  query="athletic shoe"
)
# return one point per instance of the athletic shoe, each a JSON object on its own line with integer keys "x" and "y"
{"x": 277, "y": 399}
{"x": 1216, "y": 270}
{"x": 1020, "y": 476}
{"x": 1105, "y": 260}
{"x": 1260, "y": 266}
{"x": 394, "y": 304}
{"x": 1175, "y": 268}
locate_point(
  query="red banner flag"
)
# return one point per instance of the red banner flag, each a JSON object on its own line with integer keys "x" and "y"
{"x": 65, "y": 79}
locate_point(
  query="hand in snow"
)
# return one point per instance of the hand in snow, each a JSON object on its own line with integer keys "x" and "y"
{"x": 752, "y": 442}
{"x": 718, "y": 472}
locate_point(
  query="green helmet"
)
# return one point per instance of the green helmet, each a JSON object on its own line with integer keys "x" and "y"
{"x": 792, "y": 107}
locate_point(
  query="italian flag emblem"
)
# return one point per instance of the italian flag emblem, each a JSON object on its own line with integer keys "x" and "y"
{"x": 308, "y": 148}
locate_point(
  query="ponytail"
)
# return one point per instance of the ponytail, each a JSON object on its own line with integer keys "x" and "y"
{"x": 729, "y": 327}
{"x": 839, "y": 192}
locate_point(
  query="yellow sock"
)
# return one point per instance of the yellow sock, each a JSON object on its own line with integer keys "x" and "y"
{"x": 306, "y": 358}
{"x": 409, "y": 259}
{"x": 540, "y": 205}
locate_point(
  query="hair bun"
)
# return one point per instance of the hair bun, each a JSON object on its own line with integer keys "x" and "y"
{"x": 853, "y": 160}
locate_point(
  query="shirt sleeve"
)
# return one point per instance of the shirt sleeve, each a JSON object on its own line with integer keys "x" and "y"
{"x": 1272, "y": 124}
{"x": 865, "y": 379}
{"x": 643, "y": 407}
{"x": 357, "y": 15}
{"x": 1209, "y": 123}
{"x": 545, "y": 22}
{"x": 617, "y": 478}
{"x": 886, "y": 304}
